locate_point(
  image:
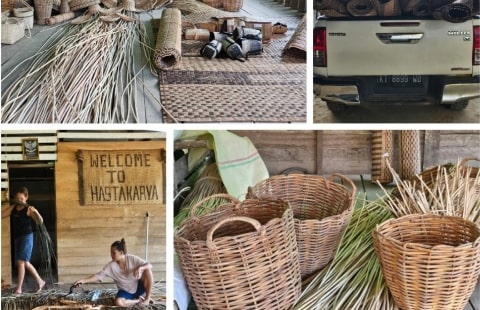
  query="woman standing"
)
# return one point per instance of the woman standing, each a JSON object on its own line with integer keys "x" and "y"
{"x": 22, "y": 216}
{"x": 132, "y": 275}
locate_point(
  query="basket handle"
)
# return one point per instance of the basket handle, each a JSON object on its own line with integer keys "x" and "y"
{"x": 292, "y": 169}
{"x": 464, "y": 161}
{"x": 346, "y": 180}
{"x": 256, "y": 224}
{"x": 193, "y": 209}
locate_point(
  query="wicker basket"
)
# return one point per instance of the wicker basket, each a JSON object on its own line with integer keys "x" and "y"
{"x": 429, "y": 261}
{"x": 43, "y": 10}
{"x": 76, "y": 5}
{"x": 213, "y": 3}
{"x": 25, "y": 13}
{"x": 12, "y": 30}
{"x": 232, "y": 5}
{"x": 322, "y": 209}
{"x": 244, "y": 255}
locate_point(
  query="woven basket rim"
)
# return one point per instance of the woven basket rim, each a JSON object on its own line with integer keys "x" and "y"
{"x": 189, "y": 222}
{"x": 379, "y": 233}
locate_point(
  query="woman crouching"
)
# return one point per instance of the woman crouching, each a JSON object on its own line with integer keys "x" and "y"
{"x": 132, "y": 275}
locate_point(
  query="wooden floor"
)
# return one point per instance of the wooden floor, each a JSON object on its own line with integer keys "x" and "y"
{"x": 148, "y": 98}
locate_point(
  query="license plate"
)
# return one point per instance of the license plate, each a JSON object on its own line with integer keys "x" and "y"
{"x": 400, "y": 81}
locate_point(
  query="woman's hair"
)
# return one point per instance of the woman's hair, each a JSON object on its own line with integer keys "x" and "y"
{"x": 120, "y": 246}
{"x": 22, "y": 190}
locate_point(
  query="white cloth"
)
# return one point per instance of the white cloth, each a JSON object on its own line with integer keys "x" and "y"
{"x": 124, "y": 279}
{"x": 238, "y": 161}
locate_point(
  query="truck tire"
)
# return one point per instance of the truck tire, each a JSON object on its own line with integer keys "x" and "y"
{"x": 336, "y": 107}
{"x": 458, "y": 106}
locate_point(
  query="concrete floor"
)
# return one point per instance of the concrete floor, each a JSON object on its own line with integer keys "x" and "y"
{"x": 396, "y": 113}
{"x": 148, "y": 98}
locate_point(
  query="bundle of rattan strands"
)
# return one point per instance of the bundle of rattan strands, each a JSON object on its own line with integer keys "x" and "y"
{"x": 84, "y": 73}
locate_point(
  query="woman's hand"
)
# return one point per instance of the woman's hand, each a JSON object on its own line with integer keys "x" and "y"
{"x": 138, "y": 272}
{"x": 33, "y": 213}
{"x": 78, "y": 283}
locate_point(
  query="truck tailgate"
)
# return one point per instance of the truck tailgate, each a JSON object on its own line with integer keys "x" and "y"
{"x": 398, "y": 47}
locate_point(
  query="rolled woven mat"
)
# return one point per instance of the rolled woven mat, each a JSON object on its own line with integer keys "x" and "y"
{"x": 60, "y": 18}
{"x": 326, "y": 5}
{"x": 388, "y": 7}
{"x": 361, "y": 8}
{"x": 297, "y": 45}
{"x": 168, "y": 49}
{"x": 458, "y": 11}
{"x": 410, "y": 156}
{"x": 382, "y": 152}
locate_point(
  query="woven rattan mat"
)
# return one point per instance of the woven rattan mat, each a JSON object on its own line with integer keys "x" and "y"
{"x": 265, "y": 88}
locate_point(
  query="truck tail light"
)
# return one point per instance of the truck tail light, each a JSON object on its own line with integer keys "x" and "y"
{"x": 476, "y": 45}
{"x": 320, "y": 47}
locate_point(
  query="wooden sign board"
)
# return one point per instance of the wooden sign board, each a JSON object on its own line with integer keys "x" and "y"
{"x": 121, "y": 177}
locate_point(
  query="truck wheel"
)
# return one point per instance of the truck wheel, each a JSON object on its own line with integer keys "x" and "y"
{"x": 458, "y": 106}
{"x": 336, "y": 107}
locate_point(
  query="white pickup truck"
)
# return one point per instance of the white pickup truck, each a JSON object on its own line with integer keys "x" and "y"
{"x": 396, "y": 60}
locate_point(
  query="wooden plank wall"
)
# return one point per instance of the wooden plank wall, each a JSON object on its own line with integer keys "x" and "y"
{"x": 85, "y": 233}
{"x": 281, "y": 150}
{"x": 349, "y": 151}
{"x": 443, "y": 146}
{"x": 6, "y": 252}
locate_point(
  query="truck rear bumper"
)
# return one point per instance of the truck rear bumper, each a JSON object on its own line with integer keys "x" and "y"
{"x": 346, "y": 94}
{"x": 457, "y": 92}
{"x": 443, "y": 90}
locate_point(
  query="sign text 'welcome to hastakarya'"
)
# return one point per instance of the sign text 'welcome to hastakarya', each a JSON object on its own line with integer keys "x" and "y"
{"x": 120, "y": 177}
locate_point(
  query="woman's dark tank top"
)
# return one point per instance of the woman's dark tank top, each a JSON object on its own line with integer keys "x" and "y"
{"x": 21, "y": 222}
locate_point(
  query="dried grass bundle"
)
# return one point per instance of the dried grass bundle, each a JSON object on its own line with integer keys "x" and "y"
{"x": 209, "y": 183}
{"x": 353, "y": 280}
{"x": 450, "y": 191}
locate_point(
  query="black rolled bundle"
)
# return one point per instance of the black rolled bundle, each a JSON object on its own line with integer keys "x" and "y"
{"x": 455, "y": 11}
{"x": 458, "y": 11}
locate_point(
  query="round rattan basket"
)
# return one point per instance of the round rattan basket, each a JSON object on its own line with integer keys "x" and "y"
{"x": 429, "y": 261}
{"x": 243, "y": 254}
{"x": 43, "y": 10}
{"x": 232, "y": 5}
{"x": 322, "y": 209}
{"x": 25, "y": 13}
{"x": 76, "y": 5}
{"x": 214, "y": 3}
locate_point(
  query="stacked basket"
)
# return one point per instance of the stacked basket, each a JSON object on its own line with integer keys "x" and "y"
{"x": 241, "y": 256}
{"x": 322, "y": 209}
